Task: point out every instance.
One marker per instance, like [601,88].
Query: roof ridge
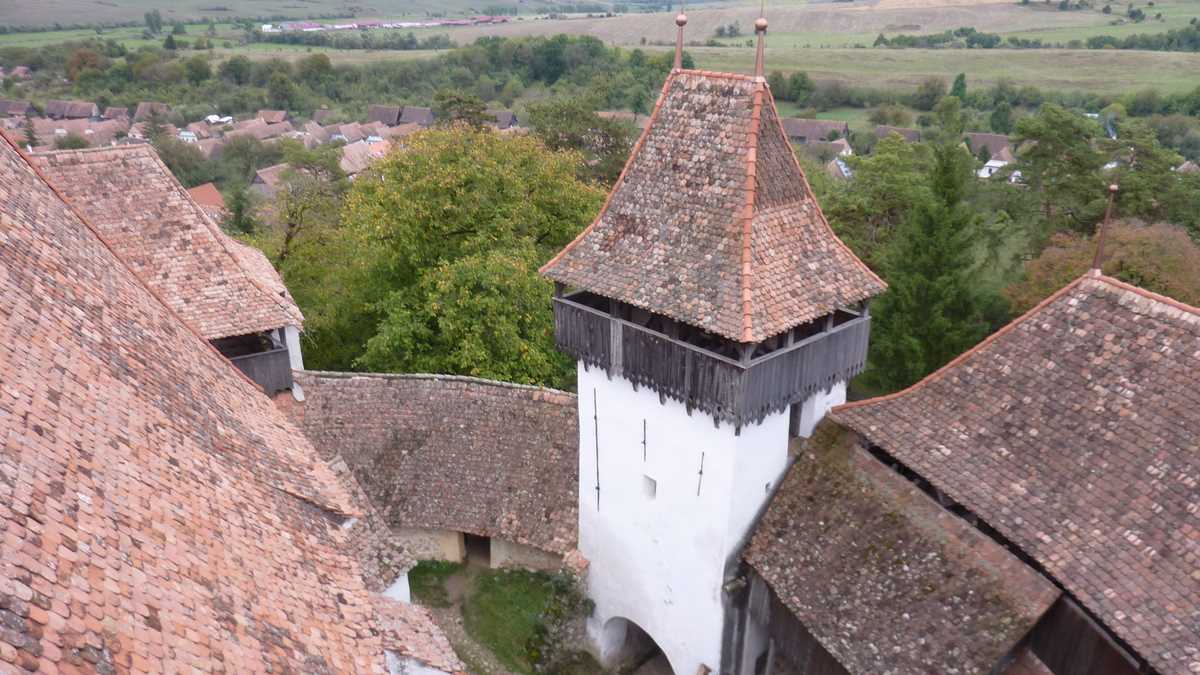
[1151,295]
[435,377]
[633,154]
[222,240]
[751,188]
[937,374]
[121,261]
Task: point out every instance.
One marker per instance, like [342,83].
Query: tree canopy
[433,266]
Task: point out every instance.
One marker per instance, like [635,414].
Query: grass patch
[427,581]
[503,612]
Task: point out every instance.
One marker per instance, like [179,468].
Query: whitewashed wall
[660,561]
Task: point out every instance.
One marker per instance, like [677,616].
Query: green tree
[184,160]
[310,195]
[1059,161]
[71,141]
[31,137]
[197,69]
[281,91]
[1001,118]
[865,212]
[959,88]
[154,21]
[800,87]
[929,92]
[453,107]
[155,126]
[572,124]
[1145,170]
[932,310]
[239,218]
[778,83]
[179,28]
[440,234]
[169,43]
[236,70]
[1159,258]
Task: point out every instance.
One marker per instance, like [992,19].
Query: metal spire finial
[1099,259]
[680,21]
[760,27]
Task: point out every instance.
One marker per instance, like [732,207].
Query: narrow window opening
[649,487]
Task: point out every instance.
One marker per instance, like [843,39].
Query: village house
[147,109]
[384,114]
[882,131]
[802,131]
[115,113]
[273,116]
[999,160]
[209,198]
[412,114]
[992,144]
[17,108]
[71,110]
[227,291]
[159,513]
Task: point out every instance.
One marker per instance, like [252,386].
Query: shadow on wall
[626,648]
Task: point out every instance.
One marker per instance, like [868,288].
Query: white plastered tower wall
[659,560]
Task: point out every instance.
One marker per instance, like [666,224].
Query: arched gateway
[625,647]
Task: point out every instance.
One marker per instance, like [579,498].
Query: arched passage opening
[626,648]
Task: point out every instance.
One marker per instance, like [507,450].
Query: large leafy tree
[933,309]
[434,266]
[1058,160]
[887,183]
[1159,258]
[572,124]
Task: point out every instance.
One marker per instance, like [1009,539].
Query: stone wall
[508,554]
[431,544]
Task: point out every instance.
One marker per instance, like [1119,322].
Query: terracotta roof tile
[150,220]
[713,223]
[158,514]
[863,557]
[458,453]
[1074,432]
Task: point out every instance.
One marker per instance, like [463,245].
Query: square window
[649,487]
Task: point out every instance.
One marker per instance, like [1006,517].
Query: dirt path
[479,659]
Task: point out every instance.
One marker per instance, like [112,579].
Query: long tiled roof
[863,557]
[158,513]
[1075,433]
[712,222]
[445,452]
[152,223]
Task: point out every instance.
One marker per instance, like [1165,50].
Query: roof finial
[1099,259]
[760,27]
[680,21]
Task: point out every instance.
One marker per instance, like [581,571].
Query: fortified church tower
[713,314]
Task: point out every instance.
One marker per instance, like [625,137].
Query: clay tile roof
[995,143]
[712,222]
[321,115]
[927,591]
[910,135]
[272,116]
[147,108]
[1075,433]
[209,198]
[458,453]
[416,114]
[150,220]
[387,114]
[159,513]
[808,130]
[409,630]
[115,113]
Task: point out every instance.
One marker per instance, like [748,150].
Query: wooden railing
[271,370]
[726,388]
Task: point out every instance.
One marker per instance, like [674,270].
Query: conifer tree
[31,138]
[932,310]
[959,88]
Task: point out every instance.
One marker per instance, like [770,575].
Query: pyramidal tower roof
[712,221]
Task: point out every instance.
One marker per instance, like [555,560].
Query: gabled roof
[115,113]
[862,557]
[418,115]
[164,236]
[459,453]
[15,107]
[147,108]
[272,116]
[995,143]
[158,511]
[71,109]
[1074,432]
[910,135]
[209,198]
[712,222]
[387,114]
[814,130]
[321,115]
